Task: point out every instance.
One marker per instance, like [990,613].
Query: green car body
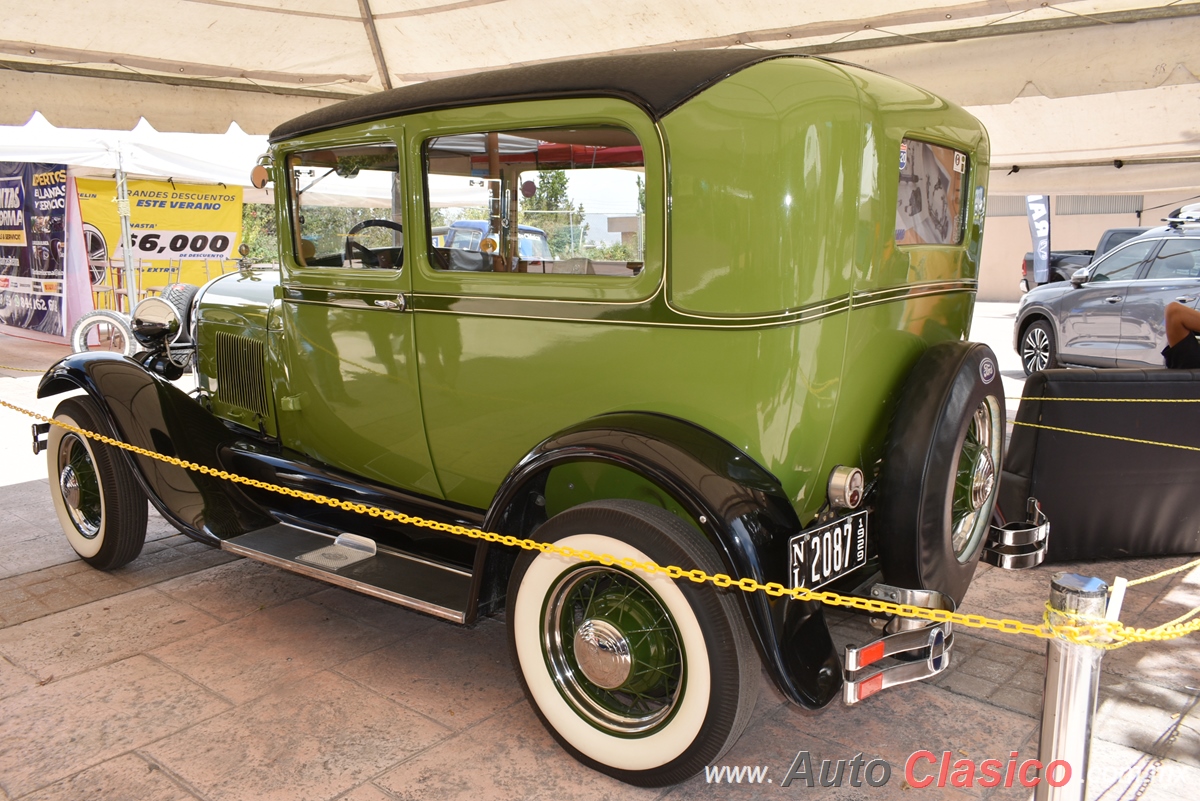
[766,332]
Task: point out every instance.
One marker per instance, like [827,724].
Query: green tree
[258,231]
[550,208]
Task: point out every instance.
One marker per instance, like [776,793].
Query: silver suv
[1110,314]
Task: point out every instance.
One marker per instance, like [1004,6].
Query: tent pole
[126,243]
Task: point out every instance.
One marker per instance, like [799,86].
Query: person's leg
[1181,321]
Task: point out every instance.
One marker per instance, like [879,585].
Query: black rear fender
[734,503]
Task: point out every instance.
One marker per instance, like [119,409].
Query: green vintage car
[746,355]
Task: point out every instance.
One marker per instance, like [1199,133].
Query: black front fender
[147,411]
[739,506]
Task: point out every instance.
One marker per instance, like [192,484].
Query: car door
[1173,274]
[352,400]
[1090,322]
[509,342]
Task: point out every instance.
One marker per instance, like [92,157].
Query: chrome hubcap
[603,654]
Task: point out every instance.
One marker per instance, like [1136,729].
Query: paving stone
[455,676]
[1118,772]
[13,680]
[367,792]
[327,736]
[984,667]
[100,632]
[121,779]
[235,589]
[962,683]
[1151,719]
[1023,701]
[245,658]
[506,756]
[69,725]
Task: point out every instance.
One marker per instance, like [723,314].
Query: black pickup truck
[1063,263]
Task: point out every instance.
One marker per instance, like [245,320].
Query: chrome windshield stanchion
[923,645]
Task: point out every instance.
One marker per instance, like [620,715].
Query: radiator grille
[241,372]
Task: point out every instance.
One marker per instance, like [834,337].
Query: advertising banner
[180,232]
[1037,208]
[32,245]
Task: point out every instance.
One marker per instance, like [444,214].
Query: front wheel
[1037,348]
[99,504]
[640,677]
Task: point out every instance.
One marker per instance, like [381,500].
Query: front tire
[941,470]
[1038,348]
[641,677]
[99,504]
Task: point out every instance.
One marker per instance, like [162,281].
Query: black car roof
[658,82]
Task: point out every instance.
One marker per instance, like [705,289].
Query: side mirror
[1079,277]
[259,177]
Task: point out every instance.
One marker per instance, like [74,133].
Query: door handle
[1113,299]
[399,304]
[1186,299]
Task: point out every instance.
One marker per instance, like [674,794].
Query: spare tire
[941,469]
[109,329]
[181,296]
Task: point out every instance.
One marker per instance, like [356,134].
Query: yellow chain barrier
[1097,633]
[22,369]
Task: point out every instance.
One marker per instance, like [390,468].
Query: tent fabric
[1059,86]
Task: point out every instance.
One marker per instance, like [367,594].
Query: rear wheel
[640,677]
[99,504]
[1038,350]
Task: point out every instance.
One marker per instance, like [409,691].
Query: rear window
[929,206]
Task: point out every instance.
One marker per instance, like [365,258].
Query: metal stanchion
[1072,683]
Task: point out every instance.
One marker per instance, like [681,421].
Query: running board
[924,645]
[356,563]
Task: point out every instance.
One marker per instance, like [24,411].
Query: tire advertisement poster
[178,232]
[32,245]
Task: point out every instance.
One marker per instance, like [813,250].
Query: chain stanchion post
[1072,686]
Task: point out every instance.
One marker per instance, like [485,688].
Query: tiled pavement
[193,675]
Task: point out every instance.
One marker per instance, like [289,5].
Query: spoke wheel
[975,481]
[614,649]
[80,486]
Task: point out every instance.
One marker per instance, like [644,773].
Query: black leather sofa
[1106,497]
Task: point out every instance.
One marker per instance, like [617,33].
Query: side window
[345,206]
[929,206]
[1177,259]
[1123,264]
[566,201]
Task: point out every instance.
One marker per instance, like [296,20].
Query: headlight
[156,323]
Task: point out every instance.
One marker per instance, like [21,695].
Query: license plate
[823,554]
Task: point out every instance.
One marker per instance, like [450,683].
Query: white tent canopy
[1066,89]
